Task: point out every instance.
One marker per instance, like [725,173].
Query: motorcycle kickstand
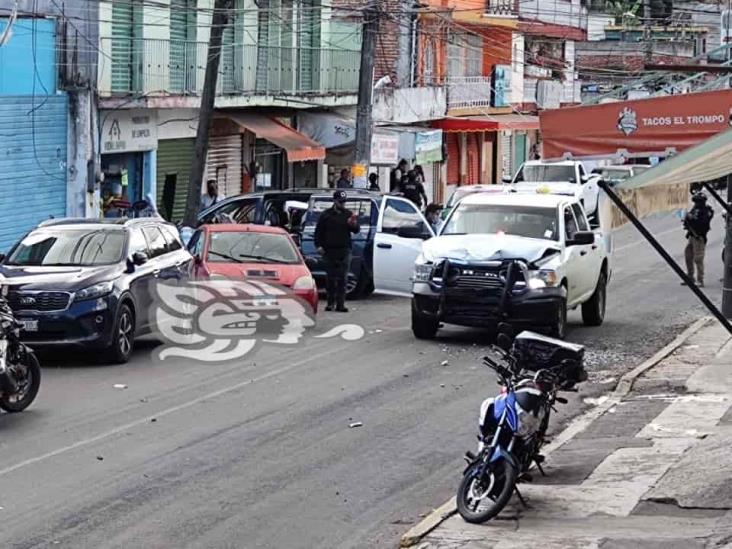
[521,498]
[541,469]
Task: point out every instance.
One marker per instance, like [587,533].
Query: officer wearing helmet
[333,241]
[697,224]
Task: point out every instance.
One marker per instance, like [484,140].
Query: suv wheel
[123,335]
[423,327]
[593,311]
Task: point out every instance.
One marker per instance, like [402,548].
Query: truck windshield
[503,219]
[547,173]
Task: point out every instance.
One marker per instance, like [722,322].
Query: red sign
[646,127]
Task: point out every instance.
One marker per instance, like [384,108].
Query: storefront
[128,159]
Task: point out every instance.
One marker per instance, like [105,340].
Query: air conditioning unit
[549,94]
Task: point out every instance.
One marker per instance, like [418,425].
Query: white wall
[177,123]
[518,44]
[104,71]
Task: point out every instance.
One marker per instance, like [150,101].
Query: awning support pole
[665,255]
[718,198]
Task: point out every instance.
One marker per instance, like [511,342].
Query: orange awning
[491,123]
[298,146]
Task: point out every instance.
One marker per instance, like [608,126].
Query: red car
[252,251]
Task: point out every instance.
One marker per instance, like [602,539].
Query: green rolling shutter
[309,35]
[174,160]
[182,36]
[122,46]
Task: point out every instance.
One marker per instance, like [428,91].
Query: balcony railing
[155,66]
[502,8]
[465,92]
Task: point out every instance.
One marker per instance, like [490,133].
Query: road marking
[162,413]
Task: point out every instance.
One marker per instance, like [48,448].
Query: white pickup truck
[567,177]
[522,258]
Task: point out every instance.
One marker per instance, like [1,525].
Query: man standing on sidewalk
[333,242]
[697,224]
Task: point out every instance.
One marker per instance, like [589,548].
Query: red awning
[298,146]
[658,126]
[491,123]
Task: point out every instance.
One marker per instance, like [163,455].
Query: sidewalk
[653,469]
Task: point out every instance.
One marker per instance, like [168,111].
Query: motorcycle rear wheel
[495,489]
[29,384]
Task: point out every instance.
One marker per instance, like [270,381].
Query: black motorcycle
[513,425]
[20,372]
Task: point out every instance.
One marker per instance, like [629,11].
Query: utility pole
[648,30]
[404,20]
[727,282]
[221,11]
[365,94]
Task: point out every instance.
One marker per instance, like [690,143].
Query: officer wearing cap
[333,242]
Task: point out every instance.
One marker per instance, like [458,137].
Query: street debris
[355,424]
[444,363]
[153,420]
[100,458]
[607,380]
[120,386]
[442,384]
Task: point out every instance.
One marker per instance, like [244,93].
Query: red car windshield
[251,247]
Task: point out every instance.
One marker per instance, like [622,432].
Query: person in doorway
[412,189]
[432,213]
[212,195]
[397,174]
[374,182]
[420,174]
[344,181]
[697,224]
[333,241]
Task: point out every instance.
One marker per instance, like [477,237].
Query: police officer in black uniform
[412,189]
[333,242]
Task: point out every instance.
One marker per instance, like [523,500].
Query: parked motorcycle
[20,372]
[532,370]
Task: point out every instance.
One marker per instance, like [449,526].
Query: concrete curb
[415,534]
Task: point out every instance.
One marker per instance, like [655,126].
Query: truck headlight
[544,278]
[422,272]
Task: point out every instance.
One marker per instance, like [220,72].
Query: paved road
[259,453]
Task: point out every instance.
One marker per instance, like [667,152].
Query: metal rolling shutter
[224,163]
[309,39]
[453,158]
[174,160]
[32,163]
[122,46]
[507,154]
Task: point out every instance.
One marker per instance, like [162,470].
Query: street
[261,452]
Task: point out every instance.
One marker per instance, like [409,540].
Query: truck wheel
[423,327]
[559,328]
[593,311]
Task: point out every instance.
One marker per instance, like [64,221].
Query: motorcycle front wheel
[481,499]
[28,378]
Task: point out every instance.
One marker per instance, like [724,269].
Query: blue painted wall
[28,58]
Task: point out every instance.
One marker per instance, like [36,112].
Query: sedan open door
[399,235]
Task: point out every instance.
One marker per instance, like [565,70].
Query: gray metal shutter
[227,68]
[309,36]
[122,46]
[263,46]
[223,163]
[507,154]
[174,160]
[32,163]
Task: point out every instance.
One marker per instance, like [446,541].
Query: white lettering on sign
[127,131]
[658,121]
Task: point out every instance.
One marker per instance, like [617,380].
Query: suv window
[171,237]
[399,213]
[361,207]
[570,224]
[137,242]
[155,240]
[195,244]
[241,211]
[579,215]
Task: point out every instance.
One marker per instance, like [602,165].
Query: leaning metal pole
[665,255]
[727,280]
